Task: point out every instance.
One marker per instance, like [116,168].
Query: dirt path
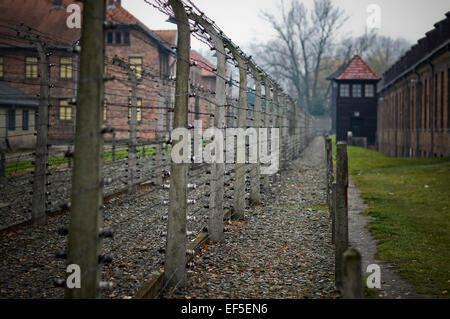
[392,286]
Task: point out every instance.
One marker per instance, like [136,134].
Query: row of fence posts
[85,235]
[347,273]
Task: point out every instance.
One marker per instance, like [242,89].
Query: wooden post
[175,264]
[341,209]
[352,281]
[85,217]
[38,213]
[333,212]
[329,168]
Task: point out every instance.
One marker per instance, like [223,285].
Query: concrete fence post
[333,212]
[352,279]
[240,168]
[255,189]
[160,134]
[215,218]
[113,148]
[267,125]
[175,264]
[2,167]
[87,186]
[38,212]
[341,210]
[276,124]
[132,143]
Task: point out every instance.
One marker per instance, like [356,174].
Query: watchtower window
[356,90]
[344,90]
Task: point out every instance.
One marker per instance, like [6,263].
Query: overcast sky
[409,19]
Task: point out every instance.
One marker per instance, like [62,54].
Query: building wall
[413,115]
[116,92]
[19,138]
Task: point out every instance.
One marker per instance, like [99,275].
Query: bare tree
[379,51]
[304,38]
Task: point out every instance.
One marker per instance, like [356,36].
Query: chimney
[113,3]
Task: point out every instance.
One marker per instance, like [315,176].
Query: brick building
[147,53]
[413,113]
[356,100]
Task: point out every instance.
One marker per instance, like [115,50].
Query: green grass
[20,167]
[410,201]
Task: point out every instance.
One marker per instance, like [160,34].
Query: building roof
[14,97]
[43,16]
[357,69]
[119,15]
[170,36]
[51,21]
[206,66]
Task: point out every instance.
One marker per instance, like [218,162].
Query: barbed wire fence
[111,166]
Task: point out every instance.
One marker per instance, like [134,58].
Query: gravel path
[281,250]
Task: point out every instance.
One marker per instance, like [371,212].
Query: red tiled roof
[39,15]
[357,69]
[170,36]
[205,65]
[120,15]
[51,22]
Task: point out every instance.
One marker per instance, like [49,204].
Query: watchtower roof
[357,69]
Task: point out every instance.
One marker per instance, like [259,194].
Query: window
[136,65]
[118,37]
[344,90]
[65,110]
[356,90]
[65,68]
[25,120]
[163,64]
[369,90]
[126,37]
[11,120]
[1,67]
[105,67]
[31,67]
[138,110]
[109,37]
[105,107]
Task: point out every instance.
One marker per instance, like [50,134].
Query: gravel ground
[281,250]
[28,267]
[16,197]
